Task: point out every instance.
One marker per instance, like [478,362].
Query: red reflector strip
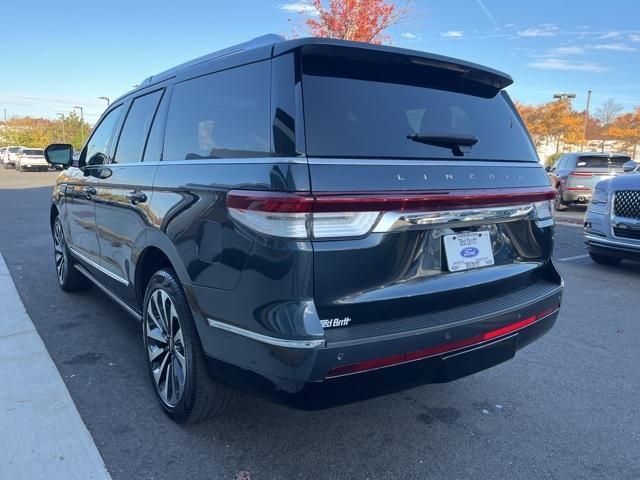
[438,349]
[582,189]
[582,174]
[384,201]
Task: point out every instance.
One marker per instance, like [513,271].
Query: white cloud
[509,25]
[618,47]
[634,37]
[609,35]
[558,64]
[554,52]
[453,34]
[409,35]
[299,7]
[547,30]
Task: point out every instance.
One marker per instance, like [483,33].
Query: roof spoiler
[489,78]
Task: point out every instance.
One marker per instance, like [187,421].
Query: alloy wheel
[59,251]
[165,347]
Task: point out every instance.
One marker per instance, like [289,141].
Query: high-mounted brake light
[331,215]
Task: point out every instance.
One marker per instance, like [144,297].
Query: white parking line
[568,259]
[42,435]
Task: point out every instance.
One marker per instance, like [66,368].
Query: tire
[604,259]
[6,166]
[69,279]
[191,396]
[558,204]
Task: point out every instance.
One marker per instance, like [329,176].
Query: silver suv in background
[575,174]
[612,221]
[31,159]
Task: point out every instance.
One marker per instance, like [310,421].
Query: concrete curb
[42,435]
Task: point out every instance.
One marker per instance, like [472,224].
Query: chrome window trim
[402,221]
[109,293]
[98,267]
[214,161]
[280,342]
[424,163]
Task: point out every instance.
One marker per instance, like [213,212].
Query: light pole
[586,116]
[81,125]
[105,98]
[61,115]
[564,96]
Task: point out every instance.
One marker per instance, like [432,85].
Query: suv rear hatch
[590,169]
[426,185]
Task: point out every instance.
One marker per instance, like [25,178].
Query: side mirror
[59,154]
[548,168]
[629,166]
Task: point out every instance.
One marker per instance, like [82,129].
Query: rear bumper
[577,196]
[625,250]
[448,345]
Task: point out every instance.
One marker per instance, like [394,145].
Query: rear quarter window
[220,115]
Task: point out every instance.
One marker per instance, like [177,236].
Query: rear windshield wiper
[454,142]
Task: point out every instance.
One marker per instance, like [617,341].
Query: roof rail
[253,43]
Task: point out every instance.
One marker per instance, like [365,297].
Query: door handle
[89,191]
[136,197]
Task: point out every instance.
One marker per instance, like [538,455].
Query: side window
[153,150]
[221,115]
[136,127]
[97,151]
[558,163]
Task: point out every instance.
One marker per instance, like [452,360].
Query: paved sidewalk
[41,433]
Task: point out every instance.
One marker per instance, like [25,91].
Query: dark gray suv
[315,221]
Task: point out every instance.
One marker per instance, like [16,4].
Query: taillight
[331,215]
[581,174]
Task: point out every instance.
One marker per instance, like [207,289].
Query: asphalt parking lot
[565,407]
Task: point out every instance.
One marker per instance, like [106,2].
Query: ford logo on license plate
[469,252]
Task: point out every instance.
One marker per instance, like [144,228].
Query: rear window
[32,152]
[602,162]
[14,149]
[368,109]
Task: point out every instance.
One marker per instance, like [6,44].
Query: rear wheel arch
[150,260]
[52,215]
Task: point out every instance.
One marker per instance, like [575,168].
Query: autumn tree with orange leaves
[626,129]
[357,20]
[557,122]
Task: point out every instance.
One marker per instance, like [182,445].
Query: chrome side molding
[401,221]
[109,293]
[280,342]
[80,256]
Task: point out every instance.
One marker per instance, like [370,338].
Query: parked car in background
[631,166]
[313,251]
[575,174]
[31,159]
[11,156]
[3,151]
[612,221]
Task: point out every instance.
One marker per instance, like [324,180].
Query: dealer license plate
[467,250]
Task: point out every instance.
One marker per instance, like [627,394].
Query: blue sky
[57,54]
